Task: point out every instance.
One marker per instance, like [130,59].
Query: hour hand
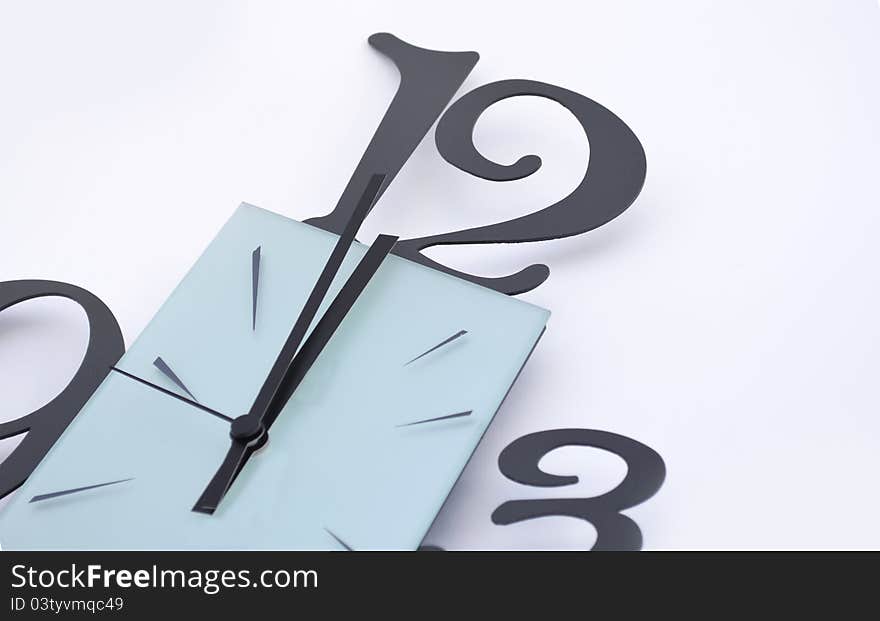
[235,459]
[248,432]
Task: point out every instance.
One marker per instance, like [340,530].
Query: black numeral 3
[615,531]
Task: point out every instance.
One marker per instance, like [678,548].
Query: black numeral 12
[428,80]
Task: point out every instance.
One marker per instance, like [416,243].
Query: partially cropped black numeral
[615,531]
[44,426]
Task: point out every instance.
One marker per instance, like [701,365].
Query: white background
[728,319]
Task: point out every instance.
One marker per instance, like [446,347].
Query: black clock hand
[249,432]
[235,459]
[327,325]
[240,452]
[170,393]
[310,309]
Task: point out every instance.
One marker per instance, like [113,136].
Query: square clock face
[362,456]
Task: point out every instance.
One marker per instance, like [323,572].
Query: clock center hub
[246,429]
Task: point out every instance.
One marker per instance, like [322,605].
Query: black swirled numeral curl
[613,179]
[428,80]
[45,425]
[615,531]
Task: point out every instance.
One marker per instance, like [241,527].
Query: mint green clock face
[362,456]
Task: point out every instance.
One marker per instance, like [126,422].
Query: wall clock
[302,390]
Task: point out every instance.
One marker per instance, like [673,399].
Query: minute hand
[281,367]
[249,432]
[329,322]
